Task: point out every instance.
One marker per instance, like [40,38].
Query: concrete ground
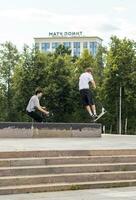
[105,142]
[128,193]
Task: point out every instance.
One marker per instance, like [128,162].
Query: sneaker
[95,116]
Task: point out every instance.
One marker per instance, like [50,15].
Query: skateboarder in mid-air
[86,95]
[34,106]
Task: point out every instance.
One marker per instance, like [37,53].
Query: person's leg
[93,108]
[85,100]
[92,104]
[36,116]
[88,108]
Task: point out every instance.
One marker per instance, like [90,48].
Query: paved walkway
[105,142]
[128,193]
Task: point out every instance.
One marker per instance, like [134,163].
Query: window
[93,47]
[67,44]
[55,45]
[77,45]
[76,50]
[45,46]
[85,45]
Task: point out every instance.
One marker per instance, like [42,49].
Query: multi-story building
[73,40]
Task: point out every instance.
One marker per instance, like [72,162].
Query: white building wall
[67,39]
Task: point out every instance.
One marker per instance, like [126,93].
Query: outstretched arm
[40,108]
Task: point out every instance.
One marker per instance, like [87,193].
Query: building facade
[76,42]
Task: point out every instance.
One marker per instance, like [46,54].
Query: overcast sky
[22,20]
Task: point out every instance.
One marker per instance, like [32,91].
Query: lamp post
[120,109]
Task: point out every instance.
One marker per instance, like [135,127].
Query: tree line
[58,74]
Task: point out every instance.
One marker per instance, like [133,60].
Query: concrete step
[66,178]
[74,168]
[60,153]
[11,162]
[65,186]
[41,171]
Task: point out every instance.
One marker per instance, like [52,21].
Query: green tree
[9,59]
[62,50]
[100,59]
[119,70]
[85,61]
[28,76]
[51,72]
[57,86]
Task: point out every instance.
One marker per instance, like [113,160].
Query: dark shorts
[36,116]
[86,97]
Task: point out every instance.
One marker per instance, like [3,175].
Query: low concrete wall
[38,130]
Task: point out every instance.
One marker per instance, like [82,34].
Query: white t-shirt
[84,80]
[33,103]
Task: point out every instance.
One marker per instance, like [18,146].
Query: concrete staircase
[42,171]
